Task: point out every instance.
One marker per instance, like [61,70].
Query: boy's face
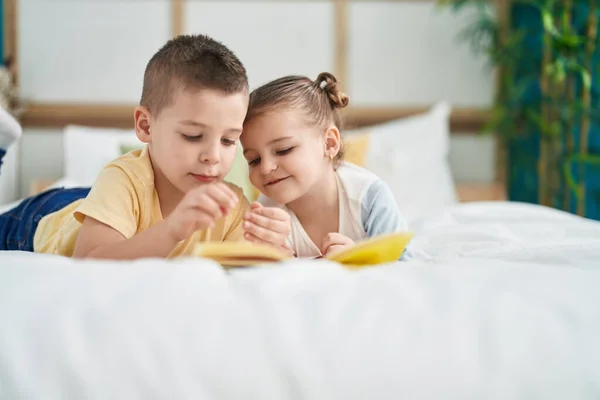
[194,140]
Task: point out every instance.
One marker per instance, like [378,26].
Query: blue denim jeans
[17,226]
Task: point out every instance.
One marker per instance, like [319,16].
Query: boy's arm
[199,209]
[109,217]
[111,212]
[98,240]
[380,214]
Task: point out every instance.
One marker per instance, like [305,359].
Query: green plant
[544,53]
[9,95]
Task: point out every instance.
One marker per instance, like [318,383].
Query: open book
[372,251]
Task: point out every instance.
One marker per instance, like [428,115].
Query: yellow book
[372,251]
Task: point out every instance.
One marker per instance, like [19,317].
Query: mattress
[490,309]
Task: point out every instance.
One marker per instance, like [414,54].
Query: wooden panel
[271,38]
[468,192]
[409,54]
[121,116]
[203,14]
[60,115]
[340,23]
[177,27]
[92,51]
[39,185]
[462,121]
[503,15]
[10,36]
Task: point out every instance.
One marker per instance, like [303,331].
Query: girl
[292,142]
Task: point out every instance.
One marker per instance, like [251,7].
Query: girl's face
[286,156]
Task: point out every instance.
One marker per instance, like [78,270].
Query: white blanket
[510,232]
[494,312]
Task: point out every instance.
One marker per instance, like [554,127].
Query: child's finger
[333,249]
[230,192]
[256,240]
[274,213]
[222,196]
[268,223]
[209,205]
[251,238]
[264,234]
[203,220]
[233,197]
[332,239]
[254,206]
[326,242]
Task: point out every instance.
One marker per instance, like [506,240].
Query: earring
[331,156]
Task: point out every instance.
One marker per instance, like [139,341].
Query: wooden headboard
[463,120]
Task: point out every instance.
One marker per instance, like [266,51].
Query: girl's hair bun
[328,83]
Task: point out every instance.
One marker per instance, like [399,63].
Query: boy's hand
[268,225]
[199,209]
[333,242]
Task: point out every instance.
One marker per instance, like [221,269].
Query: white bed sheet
[510,232]
[495,312]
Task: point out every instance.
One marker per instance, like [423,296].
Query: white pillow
[411,156]
[89,149]
[9,175]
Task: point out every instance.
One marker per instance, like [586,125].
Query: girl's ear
[332,142]
[142,119]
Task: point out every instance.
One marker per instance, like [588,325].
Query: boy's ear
[332,141]
[141,116]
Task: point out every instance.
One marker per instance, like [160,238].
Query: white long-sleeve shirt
[367,208]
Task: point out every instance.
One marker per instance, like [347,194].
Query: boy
[164,199]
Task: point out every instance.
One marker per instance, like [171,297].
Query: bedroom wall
[400,54]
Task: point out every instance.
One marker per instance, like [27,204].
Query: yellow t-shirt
[124,198]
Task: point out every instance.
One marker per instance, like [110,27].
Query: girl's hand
[268,225]
[333,242]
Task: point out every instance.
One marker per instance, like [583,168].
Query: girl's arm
[380,214]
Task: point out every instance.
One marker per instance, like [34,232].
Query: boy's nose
[210,155]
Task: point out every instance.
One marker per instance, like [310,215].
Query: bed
[493,310]
[501,302]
